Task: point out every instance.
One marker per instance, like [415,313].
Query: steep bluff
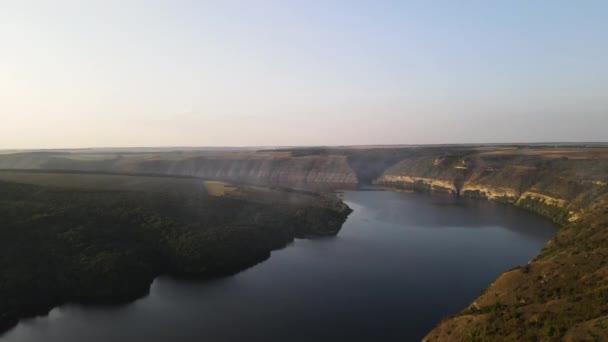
[555,187]
[281,170]
[256,168]
[563,293]
[289,167]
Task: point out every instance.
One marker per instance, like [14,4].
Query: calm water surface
[400,264]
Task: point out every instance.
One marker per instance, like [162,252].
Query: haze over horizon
[270,73]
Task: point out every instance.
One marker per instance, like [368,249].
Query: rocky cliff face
[256,168]
[300,170]
[563,293]
[555,187]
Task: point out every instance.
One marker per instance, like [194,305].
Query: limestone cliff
[563,293]
[553,187]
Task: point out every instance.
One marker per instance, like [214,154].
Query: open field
[76,181]
[559,152]
[85,181]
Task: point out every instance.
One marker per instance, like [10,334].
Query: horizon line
[541,143]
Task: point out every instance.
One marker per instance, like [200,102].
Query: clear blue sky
[151,73]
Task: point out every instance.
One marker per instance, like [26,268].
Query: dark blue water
[400,264]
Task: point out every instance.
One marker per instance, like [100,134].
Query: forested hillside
[83,243]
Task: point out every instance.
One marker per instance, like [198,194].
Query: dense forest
[102,246]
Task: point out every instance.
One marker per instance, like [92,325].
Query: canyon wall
[558,188]
[562,294]
[254,168]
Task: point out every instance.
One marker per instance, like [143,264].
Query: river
[401,263]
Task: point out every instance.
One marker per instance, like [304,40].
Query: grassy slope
[560,295]
[86,181]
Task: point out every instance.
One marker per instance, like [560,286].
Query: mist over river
[400,264]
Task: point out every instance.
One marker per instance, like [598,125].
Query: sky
[284,73]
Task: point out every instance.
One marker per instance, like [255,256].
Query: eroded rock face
[315,169]
[561,294]
[256,168]
[416,182]
[492,193]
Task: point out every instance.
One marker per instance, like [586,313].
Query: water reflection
[445,211]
